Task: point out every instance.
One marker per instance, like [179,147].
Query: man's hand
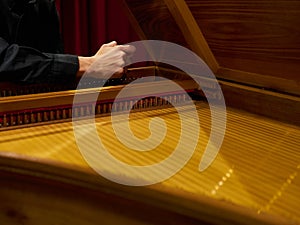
[109,60]
[105,48]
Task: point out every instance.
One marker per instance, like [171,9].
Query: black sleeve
[25,64]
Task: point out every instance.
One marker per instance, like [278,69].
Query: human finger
[111,44]
[106,48]
[129,49]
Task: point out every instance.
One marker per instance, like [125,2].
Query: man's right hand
[109,60]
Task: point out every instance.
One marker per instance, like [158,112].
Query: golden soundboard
[251,48]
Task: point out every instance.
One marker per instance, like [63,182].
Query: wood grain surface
[260,37]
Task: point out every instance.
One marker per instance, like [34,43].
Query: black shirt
[30,44]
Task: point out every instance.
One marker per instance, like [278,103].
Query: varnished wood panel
[274,105]
[261,37]
[155,21]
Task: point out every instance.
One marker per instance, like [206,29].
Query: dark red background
[87,24]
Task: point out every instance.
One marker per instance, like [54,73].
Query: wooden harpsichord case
[252,48]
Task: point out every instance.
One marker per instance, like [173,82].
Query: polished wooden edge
[40,100]
[198,207]
[191,31]
[275,84]
[85,96]
[277,106]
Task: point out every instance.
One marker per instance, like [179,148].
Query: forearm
[23,64]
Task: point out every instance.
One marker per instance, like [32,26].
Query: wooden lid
[256,43]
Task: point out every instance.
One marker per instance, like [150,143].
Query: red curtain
[87,24]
